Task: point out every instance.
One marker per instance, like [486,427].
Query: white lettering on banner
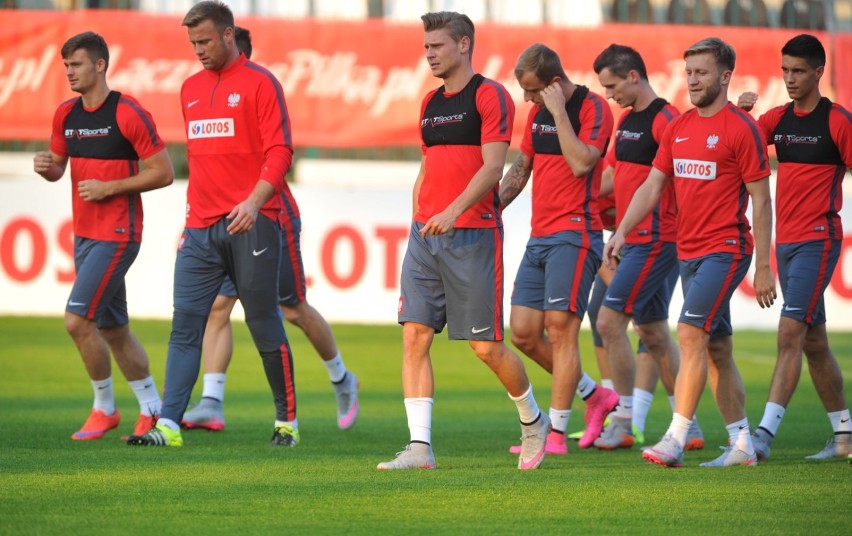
[211,128]
[23,73]
[694,169]
[352,254]
[338,76]
[146,75]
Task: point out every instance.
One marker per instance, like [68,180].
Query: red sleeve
[666,115]
[750,148]
[595,122]
[274,123]
[526,141]
[57,134]
[137,125]
[663,160]
[497,110]
[769,120]
[840,126]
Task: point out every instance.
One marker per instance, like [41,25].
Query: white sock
[527,408]
[214,386]
[104,399]
[606,382]
[586,386]
[679,428]
[146,393]
[671,401]
[641,405]
[559,419]
[336,368]
[168,423]
[419,413]
[294,423]
[624,410]
[840,421]
[740,436]
[772,416]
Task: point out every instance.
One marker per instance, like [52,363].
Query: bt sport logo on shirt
[83,133]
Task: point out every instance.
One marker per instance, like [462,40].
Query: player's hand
[764,287]
[439,224]
[42,162]
[612,250]
[554,98]
[242,218]
[747,100]
[93,190]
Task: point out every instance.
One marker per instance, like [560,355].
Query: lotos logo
[695,169]
[211,128]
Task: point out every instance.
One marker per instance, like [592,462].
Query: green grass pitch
[233,482]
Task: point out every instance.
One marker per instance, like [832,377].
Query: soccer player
[218,344]
[566,134]
[105,134]
[644,279]
[647,372]
[452,273]
[239,149]
[813,141]
[716,157]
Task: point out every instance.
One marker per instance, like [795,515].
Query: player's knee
[297,314]
[78,326]
[489,352]
[524,340]
[653,336]
[720,350]
[115,335]
[691,339]
[608,325]
[187,328]
[268,334]
[790,337]
[816,346]
[220,312]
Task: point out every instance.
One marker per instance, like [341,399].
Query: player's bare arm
[581,158]
[493,156]
[515,179]
[764,279]
[644,200]
[244,215]
[49,165]
[157,172]
[415,194]
[607,182]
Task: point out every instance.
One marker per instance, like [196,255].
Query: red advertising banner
[357,84]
